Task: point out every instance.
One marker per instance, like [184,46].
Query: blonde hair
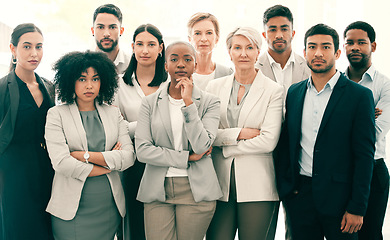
[250,33]
[197,17]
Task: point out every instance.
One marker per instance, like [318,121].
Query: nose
[279,34]
[33,52]
[88,84]
[106,33]
[318,52]
[180,64]
[145,49]
[203,37]
[243,52]
[355,47]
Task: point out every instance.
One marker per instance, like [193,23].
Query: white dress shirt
[314,107]
[379,84]
[283,75]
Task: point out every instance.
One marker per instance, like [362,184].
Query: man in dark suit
[325,155]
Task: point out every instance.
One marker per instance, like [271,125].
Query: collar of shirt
[331,83]
[368,75]
[290,60]
[120,57]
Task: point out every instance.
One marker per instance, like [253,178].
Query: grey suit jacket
[155,147]
[64,134]
[300,69]
[9,103]
[222,71]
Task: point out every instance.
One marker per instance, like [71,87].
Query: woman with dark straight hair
[25,170]
[144,76]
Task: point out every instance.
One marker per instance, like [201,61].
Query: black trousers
[377,203]
[309,224]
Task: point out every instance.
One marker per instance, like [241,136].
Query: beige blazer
[65,133]
[155,146]
[253,161]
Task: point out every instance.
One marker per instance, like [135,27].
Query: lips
[181,73]
[33,61]
[89,94]
[106,41]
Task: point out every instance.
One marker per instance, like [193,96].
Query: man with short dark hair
[107,28]
[359,45]
[280,63]
[325,155]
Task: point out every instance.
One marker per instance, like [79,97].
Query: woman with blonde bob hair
[249,128]
[203,34]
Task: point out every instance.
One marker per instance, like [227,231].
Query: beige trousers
[179,217]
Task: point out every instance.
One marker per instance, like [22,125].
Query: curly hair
[70,67]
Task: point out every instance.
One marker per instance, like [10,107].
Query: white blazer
[253,161]
[65,133]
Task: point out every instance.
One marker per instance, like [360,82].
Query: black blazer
[9,102]
[343,153]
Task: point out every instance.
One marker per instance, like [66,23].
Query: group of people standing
[150,146]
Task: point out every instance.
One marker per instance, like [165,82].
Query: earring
[14,60]
[160,54]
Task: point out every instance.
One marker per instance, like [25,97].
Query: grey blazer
[65,133]
[155,147]
[300,69]
[9,103]
[222,71]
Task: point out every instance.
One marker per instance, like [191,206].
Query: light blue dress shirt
[314,107]
[379,84]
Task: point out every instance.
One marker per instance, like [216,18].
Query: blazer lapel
[297,71]
[225,91]
[338,91]
[265,67]
[74,111]
[254,95]
[14,94]
[163,109]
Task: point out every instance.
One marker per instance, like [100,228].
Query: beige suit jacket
[65,133]
[253,161]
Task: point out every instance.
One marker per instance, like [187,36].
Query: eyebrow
[31,43]
[324,43]
[275,26]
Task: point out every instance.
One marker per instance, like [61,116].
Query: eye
[112,27]
[188,60]
[272,30]
[96,79]
[139,44]
[81,79]
[310,47]
[284,29]
[152,44]
[210,33]
[39,47]
[326,47]
[173,60]
[26,47]
[100,27]
[250,48]
[197,33]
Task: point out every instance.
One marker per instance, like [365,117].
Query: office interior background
[66,26]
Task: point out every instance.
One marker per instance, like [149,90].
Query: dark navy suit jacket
[343,152]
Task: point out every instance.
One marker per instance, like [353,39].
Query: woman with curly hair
[25,171]
[144,76]
[88,143]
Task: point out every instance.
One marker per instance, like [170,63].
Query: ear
[189,38]
[373,47]
[337,54]
[216,40]
[166,67]
[93,31]
[304,53]
[264,35]
[293,34]
[13,50]
[132,46]
[122,29]
[161,47]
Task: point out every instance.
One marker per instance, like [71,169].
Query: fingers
[118,146]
